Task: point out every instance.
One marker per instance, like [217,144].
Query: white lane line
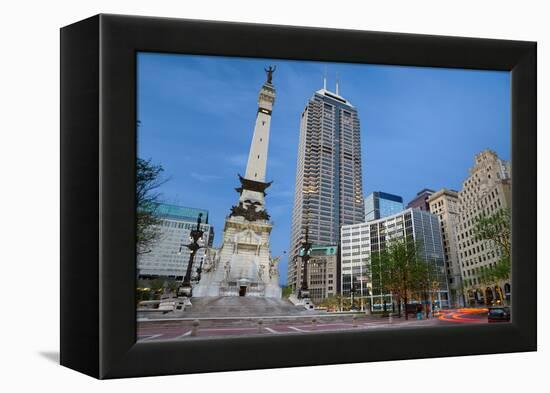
[150,337]
[183,335]
[272,330]
[298,329]
[227,329]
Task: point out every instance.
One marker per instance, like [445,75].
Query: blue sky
[420,126]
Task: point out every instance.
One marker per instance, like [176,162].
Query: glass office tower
[361,241]
[380,204]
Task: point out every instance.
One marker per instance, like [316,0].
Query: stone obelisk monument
[243,265]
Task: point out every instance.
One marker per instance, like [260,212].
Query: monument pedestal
[303,302]
[243,265]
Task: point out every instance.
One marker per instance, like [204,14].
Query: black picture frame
[98,154]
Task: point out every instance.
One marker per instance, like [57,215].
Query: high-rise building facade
[329,189]
[361,241]
[322,272]
[380,204]
[420,201]
[169,255]
[444,204]
[486,190]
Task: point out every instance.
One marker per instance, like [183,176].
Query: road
[464,315]
[152,330]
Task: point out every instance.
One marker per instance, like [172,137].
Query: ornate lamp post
[306,247]
[194,246]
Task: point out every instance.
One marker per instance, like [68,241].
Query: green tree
[287,291]
[332,302]
[148,180]
[397,268]
[495,229]
[426,281]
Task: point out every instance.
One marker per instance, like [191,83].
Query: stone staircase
[241,306]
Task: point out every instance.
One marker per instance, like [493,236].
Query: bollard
[314,323]
[195,327]
[260,326]
[390,318]
[354,320]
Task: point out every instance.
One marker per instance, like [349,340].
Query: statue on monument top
[269,73]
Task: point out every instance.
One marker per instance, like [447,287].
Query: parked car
[498,313]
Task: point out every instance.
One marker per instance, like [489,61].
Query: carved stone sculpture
[274,267]
[248,210]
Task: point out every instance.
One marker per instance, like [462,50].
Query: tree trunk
[426,305]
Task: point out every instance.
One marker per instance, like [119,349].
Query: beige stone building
[322,273]
[486,190]
[444,204]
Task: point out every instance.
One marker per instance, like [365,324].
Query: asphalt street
[182,329]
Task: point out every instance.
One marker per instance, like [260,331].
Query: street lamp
[306,247]
[194,246]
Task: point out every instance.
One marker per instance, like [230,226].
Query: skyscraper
[329,189]
[380,204]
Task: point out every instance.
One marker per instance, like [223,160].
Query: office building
[168,256]
[420,201]
[380,204]
[329,189]
[444,204]
[361,241]
[485,191]
[322,272]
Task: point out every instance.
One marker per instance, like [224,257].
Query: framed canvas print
[239,196]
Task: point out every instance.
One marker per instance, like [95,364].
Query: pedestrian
[418,312]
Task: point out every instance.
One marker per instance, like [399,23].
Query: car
[498,313]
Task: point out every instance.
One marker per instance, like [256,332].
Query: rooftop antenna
[325,79]
[337,85]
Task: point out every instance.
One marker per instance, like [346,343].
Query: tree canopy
[496,230]
[148,180]
[399,269]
